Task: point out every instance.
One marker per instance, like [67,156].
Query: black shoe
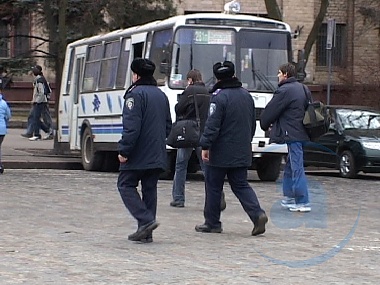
[259,223]
[26,135]
[144,231]
[148,239]
[177,204]
[223,204]
[1,169]
[207,229]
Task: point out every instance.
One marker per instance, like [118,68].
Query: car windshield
[359,119]
[256,54]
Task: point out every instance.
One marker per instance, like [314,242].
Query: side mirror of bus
[164,68]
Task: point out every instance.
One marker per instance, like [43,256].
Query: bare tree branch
[273,10]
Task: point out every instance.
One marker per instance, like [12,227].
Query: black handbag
[186,133]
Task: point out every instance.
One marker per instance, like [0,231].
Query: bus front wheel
[91,159]
[268,167]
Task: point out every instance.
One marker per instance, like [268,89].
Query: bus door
[77,79]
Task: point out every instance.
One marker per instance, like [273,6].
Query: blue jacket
[230,126]
[5,115]
[146,125]
[284,114]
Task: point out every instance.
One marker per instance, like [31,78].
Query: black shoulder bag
[186,133]
[316,120]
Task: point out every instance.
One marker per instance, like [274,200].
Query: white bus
[96,75]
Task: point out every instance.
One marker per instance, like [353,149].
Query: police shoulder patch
[129,103]
[212,108]
[216,92]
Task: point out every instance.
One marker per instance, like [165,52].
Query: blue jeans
[46,118]
[237,178]
[37,124]
[182,160]
[294,183]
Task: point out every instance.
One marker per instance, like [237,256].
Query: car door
[322,152]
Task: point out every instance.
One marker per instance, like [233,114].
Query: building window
[4,40]
[338,52]
[21,45]
[14,41]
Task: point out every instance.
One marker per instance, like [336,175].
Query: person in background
[227,150]
[41,96]
[5,115]
[283,116]
[185,109]
[5,78]
[142,148]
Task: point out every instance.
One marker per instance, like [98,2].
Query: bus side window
[123,63]
[92,68]
[158,52]
[108,67]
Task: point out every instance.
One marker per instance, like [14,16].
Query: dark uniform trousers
[237,178]
[143,208]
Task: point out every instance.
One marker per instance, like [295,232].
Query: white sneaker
[34,138]
[300,208]
[49,137]
[287,202]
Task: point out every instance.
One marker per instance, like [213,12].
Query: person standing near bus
[5,115]
[227,150]
[185,109]
[142,148]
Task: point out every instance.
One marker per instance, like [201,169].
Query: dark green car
[352,143]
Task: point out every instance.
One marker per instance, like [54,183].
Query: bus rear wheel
[91,159]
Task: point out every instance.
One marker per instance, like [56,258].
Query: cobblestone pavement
[70,227]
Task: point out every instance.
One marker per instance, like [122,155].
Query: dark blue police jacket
[146,125]
[230,126]
[285,113]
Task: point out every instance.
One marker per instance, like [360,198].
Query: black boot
[259,223]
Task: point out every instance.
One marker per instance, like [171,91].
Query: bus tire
[268,167]
[91,159]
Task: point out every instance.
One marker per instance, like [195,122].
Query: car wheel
[347,166]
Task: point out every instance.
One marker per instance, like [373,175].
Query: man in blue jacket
[283,115]
[227,150]
[142,148]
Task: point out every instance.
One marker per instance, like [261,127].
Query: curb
[72,165]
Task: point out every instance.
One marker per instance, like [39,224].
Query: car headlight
[372,145]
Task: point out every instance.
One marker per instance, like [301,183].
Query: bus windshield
[257,55]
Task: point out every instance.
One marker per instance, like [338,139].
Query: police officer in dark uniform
[142,148]
[227,150]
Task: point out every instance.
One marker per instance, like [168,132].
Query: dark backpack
[316,119]
[47,89]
